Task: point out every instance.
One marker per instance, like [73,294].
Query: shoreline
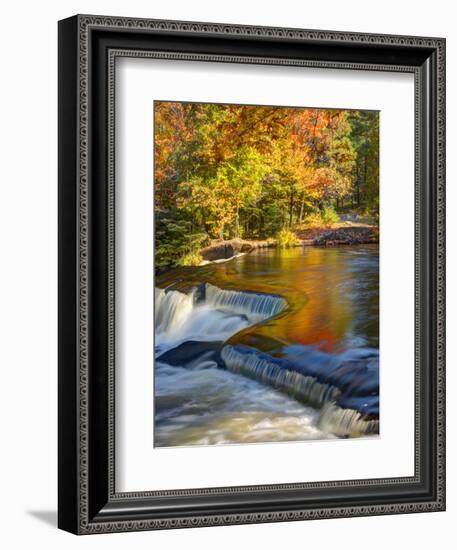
[337,235]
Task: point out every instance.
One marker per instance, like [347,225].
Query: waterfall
[346,422]
[172,310]
[349,403]
[255,306]
[344,387]
[271,371]
[208,314]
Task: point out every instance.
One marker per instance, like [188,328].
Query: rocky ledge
[340,234]
[348,235]
[328,236]
[223,250]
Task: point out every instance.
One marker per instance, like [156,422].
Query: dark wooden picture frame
[88,502]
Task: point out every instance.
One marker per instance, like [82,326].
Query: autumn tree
[365,174]
[238,170]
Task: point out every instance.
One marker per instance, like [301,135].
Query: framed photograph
[251,274]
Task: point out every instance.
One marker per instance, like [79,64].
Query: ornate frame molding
[77,515]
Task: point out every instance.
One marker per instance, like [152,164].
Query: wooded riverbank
[345,233]
[229,179]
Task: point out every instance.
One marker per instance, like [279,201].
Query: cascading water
[277,380]
[271,371]
[180,319]
[215,316]
[214,398]
[257,307]
[211,406]
[172,310]
[348,379]
[346,422]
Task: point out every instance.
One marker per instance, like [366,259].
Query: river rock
[193,354]
[348,235]
[223,250]
[200,293]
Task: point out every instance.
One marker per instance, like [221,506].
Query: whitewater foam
[309,390]
[268,370]
[216,316]
[256,306]
[346,422]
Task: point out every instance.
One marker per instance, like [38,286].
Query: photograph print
[266,249]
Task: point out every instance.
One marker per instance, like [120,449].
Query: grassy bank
[341,233]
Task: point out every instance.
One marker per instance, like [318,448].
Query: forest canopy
[240,171]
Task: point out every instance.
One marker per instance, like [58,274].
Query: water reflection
[332,306]
[332,293]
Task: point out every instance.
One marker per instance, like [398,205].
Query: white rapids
[207,405]
[203,404]
[180,317]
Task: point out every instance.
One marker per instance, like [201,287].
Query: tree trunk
[237,223]
[176,147]
[357,189]
[291,209]
[302,210]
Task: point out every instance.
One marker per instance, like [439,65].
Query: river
[276,345]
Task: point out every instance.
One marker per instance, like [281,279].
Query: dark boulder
[348,235]
[193,354]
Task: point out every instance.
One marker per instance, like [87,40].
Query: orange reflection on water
[332,292]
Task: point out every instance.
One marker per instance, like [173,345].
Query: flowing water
[277,345]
